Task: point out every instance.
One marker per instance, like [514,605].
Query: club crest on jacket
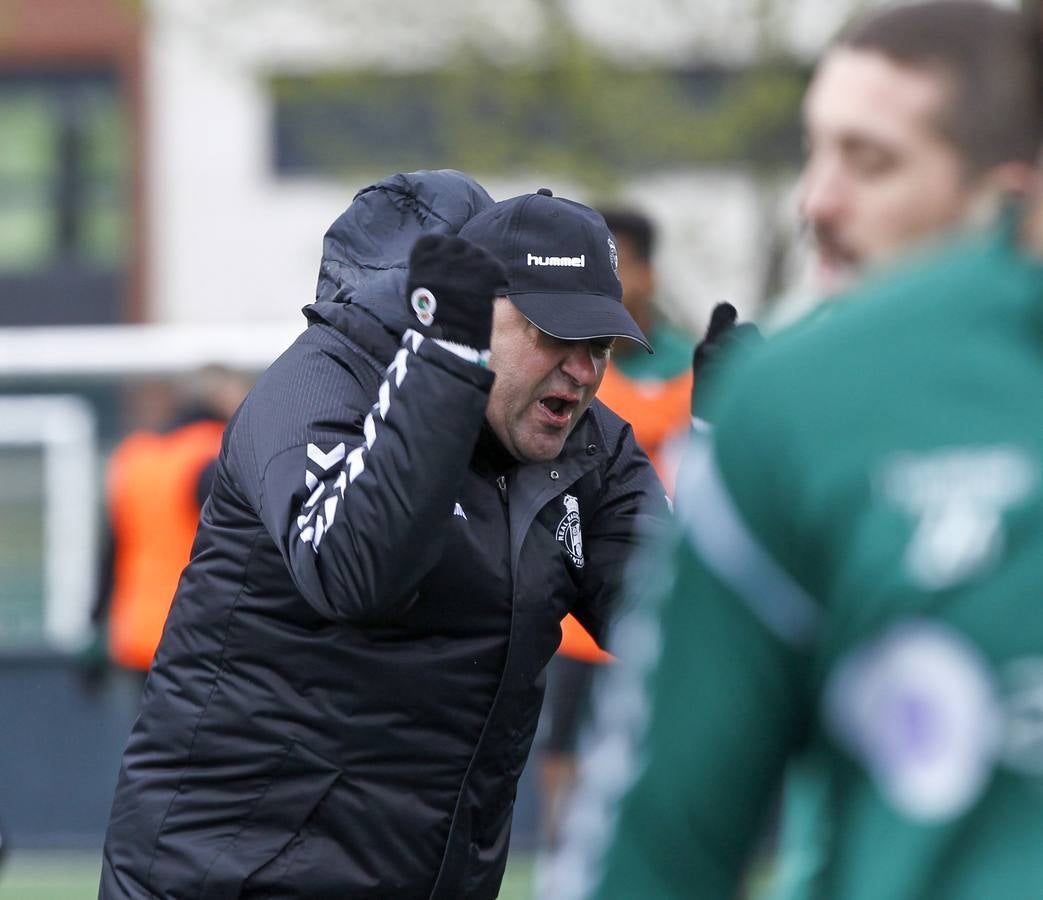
[569,533]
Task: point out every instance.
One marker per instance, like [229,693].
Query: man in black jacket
[350,677]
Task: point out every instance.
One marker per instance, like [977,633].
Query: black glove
[722,341]
[450,289]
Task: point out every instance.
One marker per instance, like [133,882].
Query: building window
[580,117]
[65,175]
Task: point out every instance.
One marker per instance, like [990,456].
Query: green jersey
[851,603]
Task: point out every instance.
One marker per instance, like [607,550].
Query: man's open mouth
[557,408]
[834,254]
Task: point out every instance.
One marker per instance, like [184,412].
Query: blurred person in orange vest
[158,481]
[653,393]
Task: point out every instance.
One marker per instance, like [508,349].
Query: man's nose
[821,192]
[579,364]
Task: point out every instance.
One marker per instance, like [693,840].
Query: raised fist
[451,287]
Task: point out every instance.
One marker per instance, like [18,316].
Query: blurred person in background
[850,594]
[652,392]
[157,482]
[405,507]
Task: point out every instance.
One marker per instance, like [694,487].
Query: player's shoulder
[893,319]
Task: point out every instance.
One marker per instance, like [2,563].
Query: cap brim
[579,317]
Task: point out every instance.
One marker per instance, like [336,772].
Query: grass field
[49,876]
[63,876]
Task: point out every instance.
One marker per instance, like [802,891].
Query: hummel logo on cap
[533,260]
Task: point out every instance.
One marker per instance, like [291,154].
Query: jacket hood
[365,253]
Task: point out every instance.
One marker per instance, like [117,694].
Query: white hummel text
[580,262]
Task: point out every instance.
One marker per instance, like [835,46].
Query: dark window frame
[72,285]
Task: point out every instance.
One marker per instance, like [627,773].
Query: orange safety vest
[152,499]
[576,643]
[658,411]
[660,414]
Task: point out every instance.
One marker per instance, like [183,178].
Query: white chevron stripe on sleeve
[353,464]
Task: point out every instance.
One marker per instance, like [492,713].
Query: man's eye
[869,161]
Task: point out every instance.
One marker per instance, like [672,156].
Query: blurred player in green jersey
[850,600]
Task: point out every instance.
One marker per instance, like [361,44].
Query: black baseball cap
[562,266]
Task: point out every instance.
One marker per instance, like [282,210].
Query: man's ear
[650,280]
[1013,178]
[1009,179]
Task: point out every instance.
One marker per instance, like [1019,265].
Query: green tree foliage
[571,113]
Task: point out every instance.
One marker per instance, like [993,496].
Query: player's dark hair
[990,58]
[632,226]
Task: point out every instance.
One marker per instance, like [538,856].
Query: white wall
[228,241]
